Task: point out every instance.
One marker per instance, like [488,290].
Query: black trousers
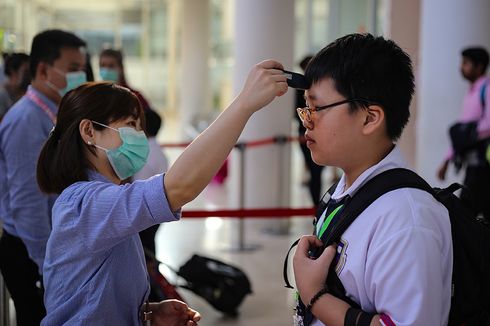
[477,197]
[148,238]
[21,274]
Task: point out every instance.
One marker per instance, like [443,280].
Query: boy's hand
[311,274]
[264,82]
[173,313]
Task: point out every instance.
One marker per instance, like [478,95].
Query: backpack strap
[376,187]
[319,211]
[483,92]
[373,189]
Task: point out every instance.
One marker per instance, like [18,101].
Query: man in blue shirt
[57,64]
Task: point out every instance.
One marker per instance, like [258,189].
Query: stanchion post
[241,219]
[282,226]
[241,203]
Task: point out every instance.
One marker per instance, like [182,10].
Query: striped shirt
[95,271]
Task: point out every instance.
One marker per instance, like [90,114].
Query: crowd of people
[82,188]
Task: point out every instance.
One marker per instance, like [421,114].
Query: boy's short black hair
[477,55]
[46,46]
[14,61]
[373,68]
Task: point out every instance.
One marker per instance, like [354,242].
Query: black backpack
[470,302]
[222,285]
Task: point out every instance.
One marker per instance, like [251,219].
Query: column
[403,26]
[264,29]
[194,93]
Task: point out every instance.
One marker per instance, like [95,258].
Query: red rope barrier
[251,213]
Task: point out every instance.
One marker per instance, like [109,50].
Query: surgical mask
[131,156]
[73,80]
[109,74]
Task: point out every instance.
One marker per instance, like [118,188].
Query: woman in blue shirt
[94,270]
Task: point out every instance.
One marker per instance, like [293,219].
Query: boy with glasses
[395,259]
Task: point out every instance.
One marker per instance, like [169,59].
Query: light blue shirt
[25,211]
[95,271]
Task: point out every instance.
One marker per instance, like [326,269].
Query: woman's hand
[311,274]
[173,313]
[265,81]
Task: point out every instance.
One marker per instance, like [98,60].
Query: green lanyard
[327,221]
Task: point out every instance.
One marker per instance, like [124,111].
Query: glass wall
[319,22]
[148,33]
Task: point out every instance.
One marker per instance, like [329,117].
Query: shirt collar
[96,176]
[51,105]
[394,159]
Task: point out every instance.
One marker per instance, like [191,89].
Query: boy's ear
[86,131]
[374,119]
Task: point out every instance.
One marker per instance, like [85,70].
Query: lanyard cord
[41,104]
[327,221]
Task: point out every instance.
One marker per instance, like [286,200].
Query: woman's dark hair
[14,61]
[153,123]
[373,68]
[63,160]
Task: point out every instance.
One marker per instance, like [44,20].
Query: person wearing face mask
[57,61]
[94,253]
[16,68]
[111,68]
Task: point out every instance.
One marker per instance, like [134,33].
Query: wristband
[365,319]
[357,317]
[351,316]
[315,298]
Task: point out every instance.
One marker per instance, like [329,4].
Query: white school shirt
[396,258]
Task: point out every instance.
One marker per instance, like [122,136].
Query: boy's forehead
[319,88]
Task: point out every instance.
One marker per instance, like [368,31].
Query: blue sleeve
[30,208]
[108,214]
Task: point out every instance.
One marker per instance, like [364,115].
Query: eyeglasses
[306,112]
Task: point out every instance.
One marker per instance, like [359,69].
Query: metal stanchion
[282,226]
[241,220]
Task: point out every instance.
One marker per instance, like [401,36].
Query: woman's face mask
[131,156]
[109,74]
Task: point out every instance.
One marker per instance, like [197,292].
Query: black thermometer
[296,80]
